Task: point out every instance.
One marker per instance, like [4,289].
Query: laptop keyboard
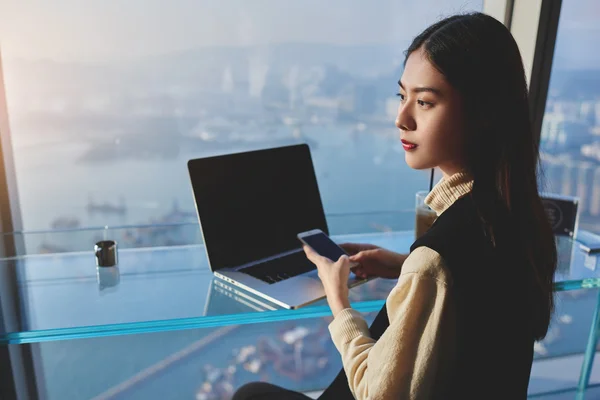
[281,268]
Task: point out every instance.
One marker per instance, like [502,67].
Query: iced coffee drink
[425,216]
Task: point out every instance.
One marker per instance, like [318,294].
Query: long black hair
[479,57]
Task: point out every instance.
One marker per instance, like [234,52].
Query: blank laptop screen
[251,205]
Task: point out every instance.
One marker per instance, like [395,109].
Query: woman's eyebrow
[422,89]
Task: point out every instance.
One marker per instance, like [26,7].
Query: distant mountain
[202,67]
[358,60]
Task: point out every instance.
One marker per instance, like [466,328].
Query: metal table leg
[590,352]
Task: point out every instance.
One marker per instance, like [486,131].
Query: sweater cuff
[346,326]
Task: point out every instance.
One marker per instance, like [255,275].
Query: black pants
[337,390]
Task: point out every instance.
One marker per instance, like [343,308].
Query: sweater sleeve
[404,361]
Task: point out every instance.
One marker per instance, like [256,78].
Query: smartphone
[588,241]
[323,245]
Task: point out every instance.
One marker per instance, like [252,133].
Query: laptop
[223,298]
[251,206]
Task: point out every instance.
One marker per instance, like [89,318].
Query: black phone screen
[323,245]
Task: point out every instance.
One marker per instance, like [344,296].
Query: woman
[476,290]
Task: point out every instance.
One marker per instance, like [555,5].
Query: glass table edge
[45,335]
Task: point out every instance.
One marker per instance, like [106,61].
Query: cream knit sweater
[414,356]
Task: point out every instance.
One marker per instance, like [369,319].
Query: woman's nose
[404,120]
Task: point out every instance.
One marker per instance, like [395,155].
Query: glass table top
[65,296]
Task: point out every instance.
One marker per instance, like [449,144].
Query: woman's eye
[401,96]
[423,103]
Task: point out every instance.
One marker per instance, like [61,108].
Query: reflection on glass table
[65,296]
[169,290]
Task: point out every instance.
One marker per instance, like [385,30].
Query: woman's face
[430,117]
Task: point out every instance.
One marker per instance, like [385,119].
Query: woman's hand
[334,276]
[374,261]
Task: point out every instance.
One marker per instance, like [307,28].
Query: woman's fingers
[353,248]
[312,255]
[359,270]
[359,273]
[365,255]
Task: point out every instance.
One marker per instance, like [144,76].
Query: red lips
[408,145]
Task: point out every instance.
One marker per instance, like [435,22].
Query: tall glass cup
[425,216]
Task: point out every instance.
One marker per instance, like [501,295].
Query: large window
[570,137]
[107,101]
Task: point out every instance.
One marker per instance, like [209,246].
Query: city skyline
[257,78]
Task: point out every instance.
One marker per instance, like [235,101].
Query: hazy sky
[109,29]
[578,35]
